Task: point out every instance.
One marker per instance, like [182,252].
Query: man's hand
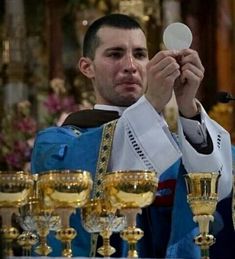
[186,86]
[162,71]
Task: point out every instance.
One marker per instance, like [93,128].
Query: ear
[85,65]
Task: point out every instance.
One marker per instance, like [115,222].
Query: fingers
[189,56]
[189,67]
[169,61]
[178,70]
[164,64]
[162,71]
[163,55]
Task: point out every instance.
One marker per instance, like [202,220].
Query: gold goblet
[41,218]
[203,197]
[130,191]
[98,216]
[36,221]
[45,220]
[15,188]
[28,237]
[65,191]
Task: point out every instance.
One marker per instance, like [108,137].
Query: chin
[128,101]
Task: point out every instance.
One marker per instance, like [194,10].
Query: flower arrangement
[18,129]
[58,103]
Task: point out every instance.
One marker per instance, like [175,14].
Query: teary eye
[140,54]
[115,54]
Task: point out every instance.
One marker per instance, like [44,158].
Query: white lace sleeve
[220,160]
[143,141]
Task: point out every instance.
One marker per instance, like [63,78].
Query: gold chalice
[203,197]
[28,237]
[65,191]
[45,220]
[36,221]
[15,188]
[98,216]
[130,191]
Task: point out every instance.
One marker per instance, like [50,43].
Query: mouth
[129,86]
[130,83]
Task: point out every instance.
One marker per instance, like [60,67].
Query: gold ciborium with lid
[130,191]
[64,191]
[202,188]
[15,188]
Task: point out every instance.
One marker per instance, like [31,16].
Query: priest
[126,130]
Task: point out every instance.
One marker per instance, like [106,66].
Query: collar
[105,107]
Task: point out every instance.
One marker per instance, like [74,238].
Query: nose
[129,64]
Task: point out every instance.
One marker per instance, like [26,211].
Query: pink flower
[53,103]
[68,104]
[14,160]
[27,125]
[56,104]
[20,153]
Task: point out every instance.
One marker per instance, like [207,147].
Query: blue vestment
[168,231]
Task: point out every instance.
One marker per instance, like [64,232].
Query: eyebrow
[121,49]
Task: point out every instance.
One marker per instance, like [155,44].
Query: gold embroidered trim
[102,165]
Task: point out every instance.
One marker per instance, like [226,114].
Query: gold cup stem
[42,230]
[65,234]
[132,253]
[205,254]
[43,248]
[9,235]
[26,240]
[8,232]
[202,188]
[204,239]
[106,250]
[203,222]
[131,234]
[64,214]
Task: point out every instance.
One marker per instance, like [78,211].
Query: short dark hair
[116,20]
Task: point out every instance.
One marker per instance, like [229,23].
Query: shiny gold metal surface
[65,188]
[15,187]
[9,234]
[202,192]
[44,221]
[62,191]
[98,216]
[130,191]
[26,240]
[34,218]
[202,188]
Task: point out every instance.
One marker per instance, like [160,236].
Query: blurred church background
[41,43]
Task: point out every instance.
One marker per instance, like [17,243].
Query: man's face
[119,66]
